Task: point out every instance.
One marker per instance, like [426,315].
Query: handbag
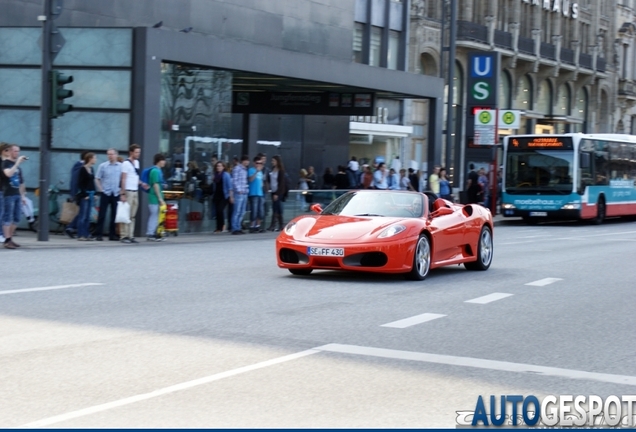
[69,211]
[123,213]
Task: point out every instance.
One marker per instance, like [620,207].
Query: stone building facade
[568,65]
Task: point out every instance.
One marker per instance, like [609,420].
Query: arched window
[504,90]
[458,84]
[563,107]
[428,64]
[580,111]
[523,99]
[544,98]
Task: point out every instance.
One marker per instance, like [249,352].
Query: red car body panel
[453,230]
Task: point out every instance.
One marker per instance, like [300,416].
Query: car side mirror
[442,211]
[316,208]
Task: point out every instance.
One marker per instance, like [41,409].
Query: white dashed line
[57,287]
[488,298]
[480,363]
[418,319]
[543,282]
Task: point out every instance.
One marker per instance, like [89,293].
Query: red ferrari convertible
[387,232]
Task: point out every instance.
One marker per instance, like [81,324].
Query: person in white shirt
[130,185]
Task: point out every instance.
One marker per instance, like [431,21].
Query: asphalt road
[216,335]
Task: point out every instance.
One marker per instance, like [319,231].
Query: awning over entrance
[259,67]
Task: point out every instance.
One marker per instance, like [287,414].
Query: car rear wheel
[421,259]
[484,251]
[300,272]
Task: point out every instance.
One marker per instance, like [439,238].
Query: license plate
[320,251]
[539,214]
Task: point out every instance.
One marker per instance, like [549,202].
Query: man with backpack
[130,183]
[155,195]
[70,229]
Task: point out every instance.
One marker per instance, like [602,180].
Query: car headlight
[506,206]
[290,228]
[391,231]
[571,206]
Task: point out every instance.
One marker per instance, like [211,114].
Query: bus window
[601,164]
[586,176]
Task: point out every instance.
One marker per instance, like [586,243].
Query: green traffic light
[59,93]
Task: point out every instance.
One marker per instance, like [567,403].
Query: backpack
[145,177]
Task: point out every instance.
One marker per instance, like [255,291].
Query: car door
[447,227]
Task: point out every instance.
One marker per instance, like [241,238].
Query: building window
[523,101]
[544,98]
[504,90]
[357,42]
[458,88]
[563,105]
[376,46]
[580,111]
[394,49]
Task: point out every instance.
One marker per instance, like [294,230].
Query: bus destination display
[540,142]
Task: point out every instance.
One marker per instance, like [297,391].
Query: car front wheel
[485,251]
[421,259]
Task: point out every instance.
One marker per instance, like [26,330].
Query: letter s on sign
[481,90]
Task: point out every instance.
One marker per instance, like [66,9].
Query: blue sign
[482,66]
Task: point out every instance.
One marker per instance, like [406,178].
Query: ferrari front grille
[290,256]
[367,259]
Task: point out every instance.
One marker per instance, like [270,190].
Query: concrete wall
[322,27]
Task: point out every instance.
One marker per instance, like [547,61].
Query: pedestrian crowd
[354,175]
[115,181]
[233,189]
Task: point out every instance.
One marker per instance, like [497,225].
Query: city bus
[569,176]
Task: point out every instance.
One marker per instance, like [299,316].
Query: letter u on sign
[482,66]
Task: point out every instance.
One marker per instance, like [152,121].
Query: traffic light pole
[45,125]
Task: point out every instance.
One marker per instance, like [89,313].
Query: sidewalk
[28,240]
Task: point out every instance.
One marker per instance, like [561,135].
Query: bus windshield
[539,171]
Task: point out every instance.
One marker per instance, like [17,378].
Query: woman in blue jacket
[221,187]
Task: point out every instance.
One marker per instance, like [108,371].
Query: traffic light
[59,93]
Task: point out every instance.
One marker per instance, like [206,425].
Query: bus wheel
[600,212]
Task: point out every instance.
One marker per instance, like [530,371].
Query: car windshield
[377,203]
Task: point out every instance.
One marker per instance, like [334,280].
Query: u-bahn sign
[483,79]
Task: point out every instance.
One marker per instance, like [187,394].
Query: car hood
[341,228]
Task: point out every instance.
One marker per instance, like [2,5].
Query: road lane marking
[418,319]
[597,235]
[516,243]
[543,282]
[167,390]
[488,298]
[56,287]
[496,365]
